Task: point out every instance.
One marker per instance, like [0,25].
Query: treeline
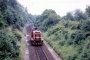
[12,13]
[15,16]
[47,19]
[68,35]
[78,15]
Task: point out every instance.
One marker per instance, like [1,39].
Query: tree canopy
[47,19]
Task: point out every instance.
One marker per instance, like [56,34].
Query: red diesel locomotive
[36,38]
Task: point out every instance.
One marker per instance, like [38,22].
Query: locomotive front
[36,37]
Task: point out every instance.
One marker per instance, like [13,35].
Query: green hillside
[69,42]
[69,35]
[13,17]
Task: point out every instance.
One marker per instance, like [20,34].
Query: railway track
[37,52]
[41,54]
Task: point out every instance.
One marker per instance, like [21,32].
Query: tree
[12,3]
[3,5]
[9,48]
[85,26]
[79,15]
[88,10]
[69,16]
[47,19]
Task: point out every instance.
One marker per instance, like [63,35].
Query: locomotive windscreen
[37,36]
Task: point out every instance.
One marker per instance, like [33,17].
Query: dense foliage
[76,15]
[12,13]
[70,35]
[9,50]
[88,10]
[13,16]
[47,19]
[71,44]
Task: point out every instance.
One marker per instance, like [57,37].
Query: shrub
[86,26]
[73,27]
[86,55]
[62,43]
[53,31]
[77,37]
[88,46]
[18,27]
[73,36]
[70,42]
[65,33]
[8,46]
[87,34]
[79,26]
[18,36]
[67,24]
[72,57]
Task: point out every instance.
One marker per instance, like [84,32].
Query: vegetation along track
[41,54]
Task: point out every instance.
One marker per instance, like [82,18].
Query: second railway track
[41,54]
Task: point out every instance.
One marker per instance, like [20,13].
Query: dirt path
[26,54]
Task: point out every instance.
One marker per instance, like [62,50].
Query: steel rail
[45,54]
[37,53]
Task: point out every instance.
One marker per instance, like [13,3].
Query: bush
[65,33]
[79,26]
[86,26]
[73,36]
[8,46]
[67,24]
[18,27]
[86,55]
[53,31]
[77,37]
[73,27]
[72,57]
[70,42]
[18,36]
[87,34]
[62,43]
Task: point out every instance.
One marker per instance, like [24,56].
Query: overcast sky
[36,7]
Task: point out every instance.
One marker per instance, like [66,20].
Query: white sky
[36,7]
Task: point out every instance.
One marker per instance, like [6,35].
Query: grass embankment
[69,44]
[21,43]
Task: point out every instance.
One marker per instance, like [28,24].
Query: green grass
[21,43]
[56,39]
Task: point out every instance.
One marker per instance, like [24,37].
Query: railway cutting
[37,50]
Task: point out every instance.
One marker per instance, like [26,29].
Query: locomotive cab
[36,37]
